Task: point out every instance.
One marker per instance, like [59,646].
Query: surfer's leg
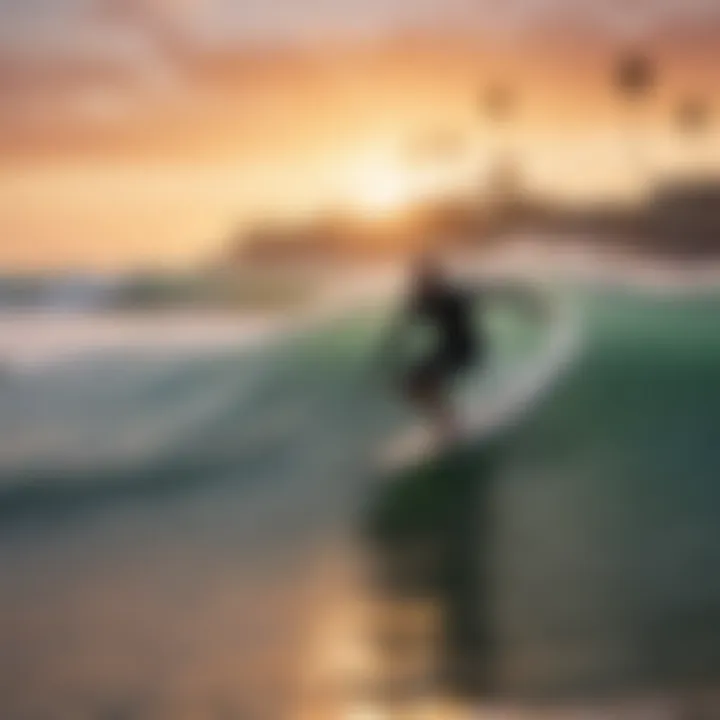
[442,413]
[446,369]
[427,389]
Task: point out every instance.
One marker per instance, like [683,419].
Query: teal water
[575,559]
[171,529]
[608,510]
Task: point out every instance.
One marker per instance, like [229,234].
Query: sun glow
[383,188]
[384,194]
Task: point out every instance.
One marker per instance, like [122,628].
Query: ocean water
[614,486]
[183,533]
[574,560]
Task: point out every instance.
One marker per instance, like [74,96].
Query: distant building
[685,216]
[339,240]
[285,246]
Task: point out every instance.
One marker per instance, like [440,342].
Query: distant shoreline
[37,336]
[589,260]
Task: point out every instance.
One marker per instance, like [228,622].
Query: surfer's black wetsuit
[450,311]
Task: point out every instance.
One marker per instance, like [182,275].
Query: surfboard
[485,410]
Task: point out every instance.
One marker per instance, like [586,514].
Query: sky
[145,132]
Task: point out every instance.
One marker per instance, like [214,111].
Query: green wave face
[578,553]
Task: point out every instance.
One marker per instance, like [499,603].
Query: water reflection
[430,532]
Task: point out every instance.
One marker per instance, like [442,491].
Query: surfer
[439,303]
[449,310]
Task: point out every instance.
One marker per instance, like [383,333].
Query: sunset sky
[143,132]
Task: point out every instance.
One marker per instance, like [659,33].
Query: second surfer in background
[444,307]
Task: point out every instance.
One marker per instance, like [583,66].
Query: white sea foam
[30,340]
